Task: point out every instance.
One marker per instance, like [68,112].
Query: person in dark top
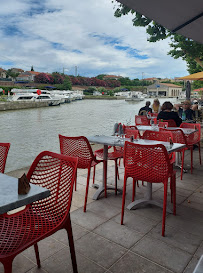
[144,110]
[167,114]
[186,113]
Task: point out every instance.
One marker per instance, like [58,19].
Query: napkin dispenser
[23,184]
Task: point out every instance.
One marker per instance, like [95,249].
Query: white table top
[186,131]
[115,141]
[9,197]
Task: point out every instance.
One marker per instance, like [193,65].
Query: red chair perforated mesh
[193,139]
[132,132]
[171,123]
[158,135]
[42,218]
[141,120]
[80,147]
[154,115]
[149,163]
[4,148]
[163,124]
[179,137]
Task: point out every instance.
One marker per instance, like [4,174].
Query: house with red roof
[27,76]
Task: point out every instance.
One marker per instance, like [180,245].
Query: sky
[80,36]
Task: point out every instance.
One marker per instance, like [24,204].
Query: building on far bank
[27,76]
[2,73]
[167,90]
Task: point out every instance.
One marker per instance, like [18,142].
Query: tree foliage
[187,49]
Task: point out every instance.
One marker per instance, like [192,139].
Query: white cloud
[65,33]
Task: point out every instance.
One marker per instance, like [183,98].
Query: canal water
[31,131]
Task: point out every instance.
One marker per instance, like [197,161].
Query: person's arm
[177,119]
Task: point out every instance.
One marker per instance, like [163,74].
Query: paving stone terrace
[103,245]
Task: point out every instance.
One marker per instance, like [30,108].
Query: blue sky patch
[11,30]
[108,40]
[132,52]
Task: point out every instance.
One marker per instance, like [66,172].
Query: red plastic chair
[179,137]
[149,163]
[133,127]
[42,218]
[193,139]
[154,114]
[163,124]
[80,147]
[171,123]
[4,148]
[132,132]
[158,135]
[141,120]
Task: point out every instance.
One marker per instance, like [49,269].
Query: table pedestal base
[101,190]
[139,203]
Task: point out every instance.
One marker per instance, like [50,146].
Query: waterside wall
[15,105]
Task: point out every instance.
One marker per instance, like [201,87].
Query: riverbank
[17,105]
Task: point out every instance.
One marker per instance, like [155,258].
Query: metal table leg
[101,188]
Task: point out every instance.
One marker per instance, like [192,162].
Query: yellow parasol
[194,77]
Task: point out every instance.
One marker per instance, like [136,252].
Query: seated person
[185,112]
[156,107]
[144,110]
[197,112]
[167,114]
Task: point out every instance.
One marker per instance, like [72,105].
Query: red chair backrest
[163,124]
[4,148]
[141,120]
[178,136]
[196,136]
[55,172]
[77,147]
[160,135]
[171,123]
[154,114]
[132,132]
[146,162]
[132,127]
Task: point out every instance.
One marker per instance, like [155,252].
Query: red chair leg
[174,194]
[105,178]
[8,266]
[116,173]
[94,169]
[191,152]
[37,255]
[182,165]
[71,244]
[87,188]
[164,207]
[123,199]
[200,160]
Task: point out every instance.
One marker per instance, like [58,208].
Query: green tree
[187,49]
[10,73]
[67,85]
[32,69]
[100,76]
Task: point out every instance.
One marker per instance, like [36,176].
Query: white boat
[23,97]
[46,97]
[135,96]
